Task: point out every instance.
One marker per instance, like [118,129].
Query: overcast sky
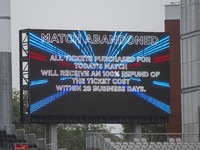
[120,15]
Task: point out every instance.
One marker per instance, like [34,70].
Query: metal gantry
[24,73]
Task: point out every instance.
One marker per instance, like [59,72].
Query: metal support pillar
[136,129]
[51,136]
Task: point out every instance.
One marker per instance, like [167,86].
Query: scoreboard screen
[98,73]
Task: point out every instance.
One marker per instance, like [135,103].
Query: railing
[103,141]
[95,141]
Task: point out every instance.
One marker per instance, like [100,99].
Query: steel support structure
[24,74]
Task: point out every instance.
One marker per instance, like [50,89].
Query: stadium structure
[181,114]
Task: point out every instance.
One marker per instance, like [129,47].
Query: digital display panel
[98,73]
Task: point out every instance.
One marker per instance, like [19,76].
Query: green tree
[16,106]
[38,129]
[154,128]
[73,136]
[147,128]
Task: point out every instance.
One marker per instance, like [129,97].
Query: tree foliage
[154,128]
[16,108]
[147,128]
[73,136]
[37,129]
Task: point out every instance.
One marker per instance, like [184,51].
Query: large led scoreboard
[76,76]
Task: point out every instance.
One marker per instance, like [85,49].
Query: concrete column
[51,136]
[136,129]
[5,68]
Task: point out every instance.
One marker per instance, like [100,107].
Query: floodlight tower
[5,68]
